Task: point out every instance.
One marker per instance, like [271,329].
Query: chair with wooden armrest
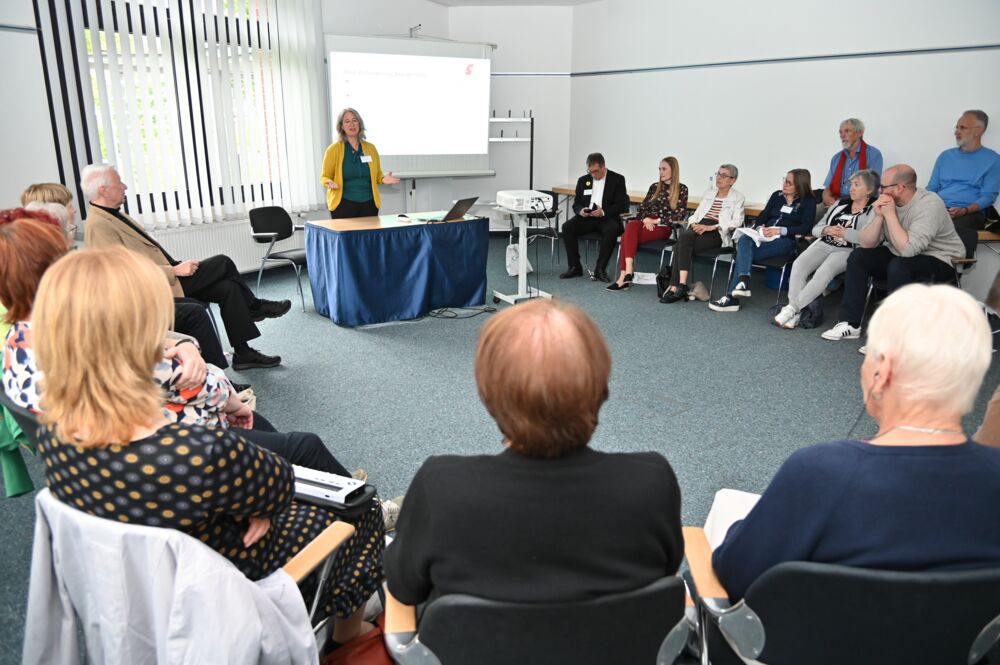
[825,614]
[642,626]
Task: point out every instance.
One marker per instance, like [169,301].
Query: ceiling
[510,3]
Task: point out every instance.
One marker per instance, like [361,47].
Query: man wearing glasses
[967,176]
[911,239]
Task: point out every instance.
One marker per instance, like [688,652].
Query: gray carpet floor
[725,397]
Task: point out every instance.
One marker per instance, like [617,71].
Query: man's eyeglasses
[885,187]
[720,174]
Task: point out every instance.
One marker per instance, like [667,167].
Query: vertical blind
[207,107]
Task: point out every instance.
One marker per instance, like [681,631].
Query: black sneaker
[254,359]
[725,304]
[270,309]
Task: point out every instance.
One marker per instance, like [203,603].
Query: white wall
[768,118]
[530,67]
[26,132]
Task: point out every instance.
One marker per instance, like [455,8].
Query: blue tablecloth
[373,276]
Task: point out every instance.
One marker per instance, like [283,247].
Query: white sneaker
[863,350]
[842,330]
[793,322]
[390,512]
[784,316]
[741,290]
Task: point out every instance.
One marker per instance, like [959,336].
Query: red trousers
[635,235]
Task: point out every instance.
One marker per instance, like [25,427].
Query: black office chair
[642,626]
[270,225]
[784,263]
[543,224]
[823,614]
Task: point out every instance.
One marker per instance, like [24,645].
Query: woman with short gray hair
[826,258]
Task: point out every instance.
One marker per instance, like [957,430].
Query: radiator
[231,238]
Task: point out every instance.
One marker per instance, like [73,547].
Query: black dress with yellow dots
[202,482]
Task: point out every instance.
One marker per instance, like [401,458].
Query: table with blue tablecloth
[376,269]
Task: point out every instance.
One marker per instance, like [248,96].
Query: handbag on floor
[365,649]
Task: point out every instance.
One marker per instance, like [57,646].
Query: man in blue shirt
[967,177]
[856,156]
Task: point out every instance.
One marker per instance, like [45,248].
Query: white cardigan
[730,217]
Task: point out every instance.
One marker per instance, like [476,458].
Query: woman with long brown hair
[665,202]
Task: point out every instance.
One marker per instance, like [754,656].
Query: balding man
[911,239]
[967,176]
[855,156]
[213,280]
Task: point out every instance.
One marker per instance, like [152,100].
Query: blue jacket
[797,222]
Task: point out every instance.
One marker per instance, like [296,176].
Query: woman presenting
[352,172]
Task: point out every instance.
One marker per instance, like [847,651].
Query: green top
[357,176]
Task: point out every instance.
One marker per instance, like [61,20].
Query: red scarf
[839,171]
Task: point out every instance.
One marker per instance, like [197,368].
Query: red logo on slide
[468,69]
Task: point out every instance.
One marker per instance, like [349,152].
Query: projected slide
[415,105]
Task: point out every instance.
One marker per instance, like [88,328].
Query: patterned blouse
[203,482]
[659,208]
[196,406]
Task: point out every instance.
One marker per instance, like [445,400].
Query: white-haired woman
[826,258]
[919,495]
[352,171]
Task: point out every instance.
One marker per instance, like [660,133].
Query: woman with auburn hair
[193,393]
[509,526]
[104,422]
[665,203]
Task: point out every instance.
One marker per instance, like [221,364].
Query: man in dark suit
[215,279]
[599,202]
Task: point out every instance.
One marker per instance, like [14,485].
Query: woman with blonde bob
[101,317]
[509,526]
[919,494]
[352,172]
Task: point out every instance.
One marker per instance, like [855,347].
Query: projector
[524,200]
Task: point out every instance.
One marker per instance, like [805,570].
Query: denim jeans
[747,252]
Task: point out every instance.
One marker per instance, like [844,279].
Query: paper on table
[753,234]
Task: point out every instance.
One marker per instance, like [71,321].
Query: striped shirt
[713,212]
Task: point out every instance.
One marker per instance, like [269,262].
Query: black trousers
[301,448]
[690,243]
[348,209]
[609,228]
[974,220]
[190,318]
[881,264]
[217,280]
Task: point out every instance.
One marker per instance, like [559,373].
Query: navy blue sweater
[905,508]
[799,221]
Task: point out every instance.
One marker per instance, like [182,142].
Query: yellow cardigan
[333,171]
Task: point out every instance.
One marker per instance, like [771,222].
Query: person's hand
[330,184]
[958,212]
[193,368]
[649,223]
[389,179]
[834,231]
[701,228]
[257,528]
[242,417]
[597,212]
[882,202]
[770,231]
[828,198]
[186,268]
[585,212]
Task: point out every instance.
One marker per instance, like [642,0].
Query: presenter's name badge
[366,159]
